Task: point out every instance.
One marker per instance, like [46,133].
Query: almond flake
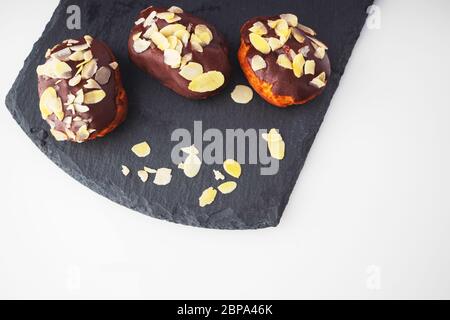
[103,75]
[89,69]
[304,51]
[62,55]
[242,94]
[58,135]
[92,84]
[319,43]
[75,81]
[196,45]
[94,97]
[184,36]
[150,20]
[320,81]
[227,187]
[282,28]
[80,47]
[283,61]
[50,103]
[186,59]
[141,150]
[88,56]
[114,65]
[259,43]
[171,29]
[88,40]
[165,15]
[81,108]
[172,58]
[207,198]
[143,175]
[275,43]
[310,67]
[306,29]
[160,41]
[298,64]
[150,170]
[277,147]
[141,45]
[175,9]
[233,168]
[320,53]
[163,177]
[82,134]
[125,171]
[290,18]
[191,70]
[139,21]
[218,175]
[136,36]
[77,56]
[298,35]
[207,82]
[259,28]
[258,63]
[204,34]
[191,150]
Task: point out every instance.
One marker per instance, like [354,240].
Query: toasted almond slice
[92,84]
[46,99]
[242,94]
[89,69]
[191,150]
[196,45]
[275,43]
[191,70]
[141,45]
[173,41]
[171,29]
[150,170]
[273,23]
[319,43]
[298,35]
[82,134]
[298,64]
[290,18]
[143,175]
[183,35]
[310,67]
[139,21]
[59,136]
[103,75]
[142,149]
[186,59]
[160,41]
[88,40]
[125,171]
[272,136]
[320,53]
[320,81]
[165,15]
[88,56]
[175,9]
[80,47]
[62,55]
[218,175]
[259,28]
[77,56]
[259,43]
[233,168]
[277,147]
[191,166]
[306,29]
[150,20]
[114,65]
[208,197]
[137,36]
[62,70]
[227,187]
[163,177]
[304,51]
[284,61]
[282,28]
[172,58]
[75,80]
[94,97]
[207,82]
[258,63]
[204,34]
[81,108]
[79,99]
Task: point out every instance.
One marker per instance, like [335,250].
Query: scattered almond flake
[172,58]
[227,187]
[273,23]
[67,122]
[191,150]
[306,29]
[79,98]
[58,135]
[274,43]
[58,82]
[75,81]
[82,134]
[258,63]
[191,70]
[233,168]
[47,102]
[204,34]
[259,28]
[80,47]
[259,43]
[139,21]
[207,82]
[148,34]
[150,19]
[160,41]
[320,53]
[63,70]
[150,170]
[114,65]
[163,177]
[304,51]
[207,198]
[195,44]
[71,41]
[143,175]
[179,47]
[298,64]
[70,134]
[171,29]
[320,81]
[242,94]
[77,56]
[318,42]
[173,41]
[218,175]
[285,38]
[81,108]
[88,40]
[94,97]
[137,36]
[92,84]
[62,55]
[290,18]
[284,61]
[175,9]
[88,56]
[125,171]
[184,36]
[103,75]
[191,166]
[282,28]
[141,45]
[186,59]
[89,69]
[165,15]
[141,150]
[310,67]
[174,19]
[277,147]
[298,35]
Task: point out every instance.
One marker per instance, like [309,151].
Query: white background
[369,217]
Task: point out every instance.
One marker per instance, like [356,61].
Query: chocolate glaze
[284,82]
[213,58]
[102,117]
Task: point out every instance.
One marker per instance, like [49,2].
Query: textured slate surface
[155,112]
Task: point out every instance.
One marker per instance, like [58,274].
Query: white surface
[374,192]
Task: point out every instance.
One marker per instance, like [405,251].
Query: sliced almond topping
[79,99]
[141,45]
[277,147]
[103,75]
[125,171]
[233,168]
[191,71]
[258,63]
[143,175]
[207,82]
[218,175]
[80,47]
[114,65]
[50,103]
[77,56]
[163,177]
[160,41]
[275,43]
[137,36]
[298,35]
[175,9]
[165,15]
[184,36]
[139,21]
[89,69]
[259,43]
[75,80]
[320,53]
[242,94]
[174,19]
[192,150]
[319,43]
[273,23]
[290,18]
[150,20]
[192,165]
[81,108]
[304,51]
[282,28]
[94,97]
[284,61]
[208,197]
[186,59]
[227,187]
[63,70]
[320,81]
[310,67]
[196,43]
[306,29]
[150,170]
[92,84]
[88,56]
[88,40]
[59,136]
[298,64]
[259,28]
[172,58]
[171,29]
[141,150]
[204,34]
[82,134]
[148,34]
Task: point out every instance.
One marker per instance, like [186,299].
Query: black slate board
[155,112]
